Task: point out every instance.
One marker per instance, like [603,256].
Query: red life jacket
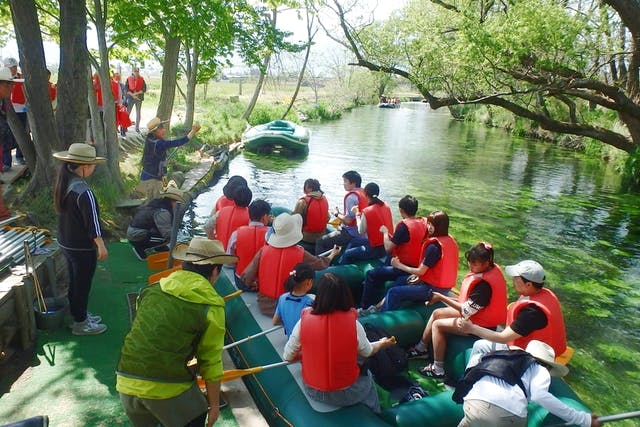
[53,91]
[376,216]
[495,313]
[275,266]
[250,239]
[363,202]
[554,333]
[223,202]
[228,220]
[409,253]
[115,89]
[329,344]
[315,220]
[445,272]
[17,93]
[134,84]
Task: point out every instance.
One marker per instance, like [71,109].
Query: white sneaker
[94,318]
[88,328]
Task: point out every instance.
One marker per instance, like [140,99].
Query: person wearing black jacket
[152,222]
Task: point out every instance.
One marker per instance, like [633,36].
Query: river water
[530,199]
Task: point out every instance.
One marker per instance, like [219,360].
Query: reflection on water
[531,199]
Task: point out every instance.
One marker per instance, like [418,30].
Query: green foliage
[323,110]
[632,167]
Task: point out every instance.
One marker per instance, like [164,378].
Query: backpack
[387,363]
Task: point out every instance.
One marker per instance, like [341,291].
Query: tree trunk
[263,73]
[71,114]
[310,37]
[169,72]
[111,146]
[29,39]
[192,73]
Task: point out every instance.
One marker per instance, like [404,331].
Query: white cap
[528,269]
[10,62]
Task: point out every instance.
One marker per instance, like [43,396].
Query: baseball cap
[528,269]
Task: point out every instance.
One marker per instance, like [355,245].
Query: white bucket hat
[201,250]
[287,230]
[545,354]
[10,62]
[6,76]
[528,269]
[80,152]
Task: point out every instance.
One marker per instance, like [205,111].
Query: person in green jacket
[177,318]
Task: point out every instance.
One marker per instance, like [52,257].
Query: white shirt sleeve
[364,346]
[292,347]
[537,381]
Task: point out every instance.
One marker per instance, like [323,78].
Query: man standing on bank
[154,156]
[136,88]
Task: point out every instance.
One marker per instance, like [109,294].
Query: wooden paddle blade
[234,374]
[157,276]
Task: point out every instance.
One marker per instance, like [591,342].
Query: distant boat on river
[279,136]
[389,102]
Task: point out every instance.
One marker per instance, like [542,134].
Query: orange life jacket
[409,253]
[445,272]
[363,202]
[377,215]
[135,84]
[275,266]
[228,220]
[250,238]
[329,344]
[554,333]
[18,99]
[495,313]
[315,220]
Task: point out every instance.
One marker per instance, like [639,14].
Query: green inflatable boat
[278,136]
[279,394]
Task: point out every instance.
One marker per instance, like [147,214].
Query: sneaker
[223,403]
[140,254]
[367,311]
[88,328]
[95,318]
[415,353]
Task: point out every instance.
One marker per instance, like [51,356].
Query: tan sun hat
[173,193]
[80,152]
[287,230]
[201,250]
[155,123]
[545,354]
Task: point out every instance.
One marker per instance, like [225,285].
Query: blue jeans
[373,287]
[399,293]
[359,249]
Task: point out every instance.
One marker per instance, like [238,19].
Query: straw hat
[287,230]
[80,152]
[201,250]
[173,193]
[545,354]
[155,123]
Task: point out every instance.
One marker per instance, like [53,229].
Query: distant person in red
[19,102]
[136,88]
[6,83]
[53,92]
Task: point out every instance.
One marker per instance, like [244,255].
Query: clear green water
[531,199]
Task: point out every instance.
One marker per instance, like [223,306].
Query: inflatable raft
[279,136]
[279,394]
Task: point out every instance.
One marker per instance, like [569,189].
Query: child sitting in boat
[483,298]
[332,341]
[297,298]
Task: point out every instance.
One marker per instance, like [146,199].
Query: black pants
[82,266]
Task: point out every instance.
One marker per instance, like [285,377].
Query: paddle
[234,374]
[177,212]
[606,418]
[157,276]
[250,337]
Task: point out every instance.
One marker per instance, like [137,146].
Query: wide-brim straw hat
[287,230]
[81,153]
[545,354]
[6,76]
[173,193]
[155,123]
[201,250]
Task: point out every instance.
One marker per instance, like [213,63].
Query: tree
[547,61]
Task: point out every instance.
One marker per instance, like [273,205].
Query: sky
[286,21]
